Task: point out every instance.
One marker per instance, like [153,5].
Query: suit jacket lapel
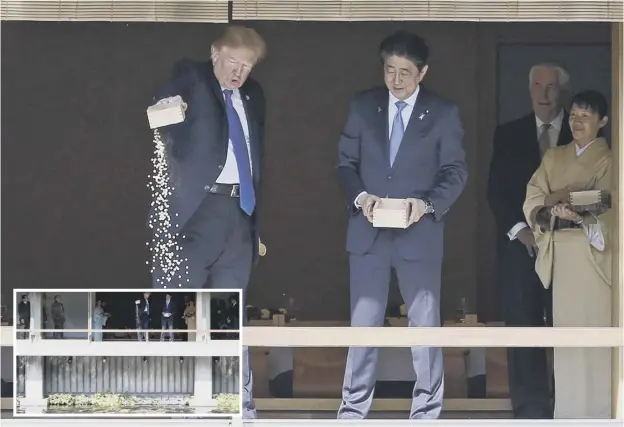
[380,122]
[420,116]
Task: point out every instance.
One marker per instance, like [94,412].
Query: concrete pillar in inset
[203,400]
[202,316]
[90,304]
[36,309]
[33,385]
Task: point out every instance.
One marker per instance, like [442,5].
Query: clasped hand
[415,207]
[563,211]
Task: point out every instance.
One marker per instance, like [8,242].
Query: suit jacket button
[389,176]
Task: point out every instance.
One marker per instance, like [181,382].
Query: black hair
[406,45]
[593,101]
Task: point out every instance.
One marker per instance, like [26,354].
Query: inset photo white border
[109,340]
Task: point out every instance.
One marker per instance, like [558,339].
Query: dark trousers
[59,325]
[217,246]
[143,324]
[26,326]
[526,303]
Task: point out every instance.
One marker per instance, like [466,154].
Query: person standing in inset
[143,316]
[58,317]
[166,317]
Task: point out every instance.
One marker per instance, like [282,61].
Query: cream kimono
[577,262]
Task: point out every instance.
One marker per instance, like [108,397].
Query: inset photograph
[127,352]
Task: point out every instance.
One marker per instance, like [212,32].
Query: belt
[232,190]
[564,224]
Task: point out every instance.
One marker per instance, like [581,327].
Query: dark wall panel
[76,151]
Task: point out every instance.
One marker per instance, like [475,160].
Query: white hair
[564,76]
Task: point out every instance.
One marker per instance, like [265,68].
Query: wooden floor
[316,415]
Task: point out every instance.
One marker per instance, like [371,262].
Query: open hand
[526,237]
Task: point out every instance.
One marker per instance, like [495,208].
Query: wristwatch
[428,206]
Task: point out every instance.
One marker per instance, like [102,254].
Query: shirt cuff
[355,202]
[515,229]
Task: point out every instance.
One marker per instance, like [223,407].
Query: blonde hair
[237,36]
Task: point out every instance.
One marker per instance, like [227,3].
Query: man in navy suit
[518,149]
[215,158]
[167,316]
[400,141]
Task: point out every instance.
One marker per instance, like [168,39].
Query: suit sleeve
[349,158]
[180,83]
[453,172]
[497,187]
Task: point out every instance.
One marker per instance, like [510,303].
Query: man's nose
[546,94]
[238,71]
[397,78]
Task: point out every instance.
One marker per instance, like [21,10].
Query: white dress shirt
[555,129]
[229,173]
[406,114]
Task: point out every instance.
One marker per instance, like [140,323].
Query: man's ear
[214,53]
[423,72]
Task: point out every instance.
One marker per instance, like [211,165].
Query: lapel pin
[379,109]
[421,116]
[247,97]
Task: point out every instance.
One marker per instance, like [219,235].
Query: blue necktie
[397,131]
[239,144]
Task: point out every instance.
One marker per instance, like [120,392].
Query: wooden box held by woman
[574,254]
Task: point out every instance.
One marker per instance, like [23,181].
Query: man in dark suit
[400,141]
[167,316]
[518,148]
[216,157]
[23,311]
[143,311]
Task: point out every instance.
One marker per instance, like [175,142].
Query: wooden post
[617,127]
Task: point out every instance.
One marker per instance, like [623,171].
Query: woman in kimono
[189,318]
[99,320]
[574,254]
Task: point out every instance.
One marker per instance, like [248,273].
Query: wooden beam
[381,405]
[286,336]
[6,404]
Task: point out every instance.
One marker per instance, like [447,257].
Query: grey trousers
[419,283]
